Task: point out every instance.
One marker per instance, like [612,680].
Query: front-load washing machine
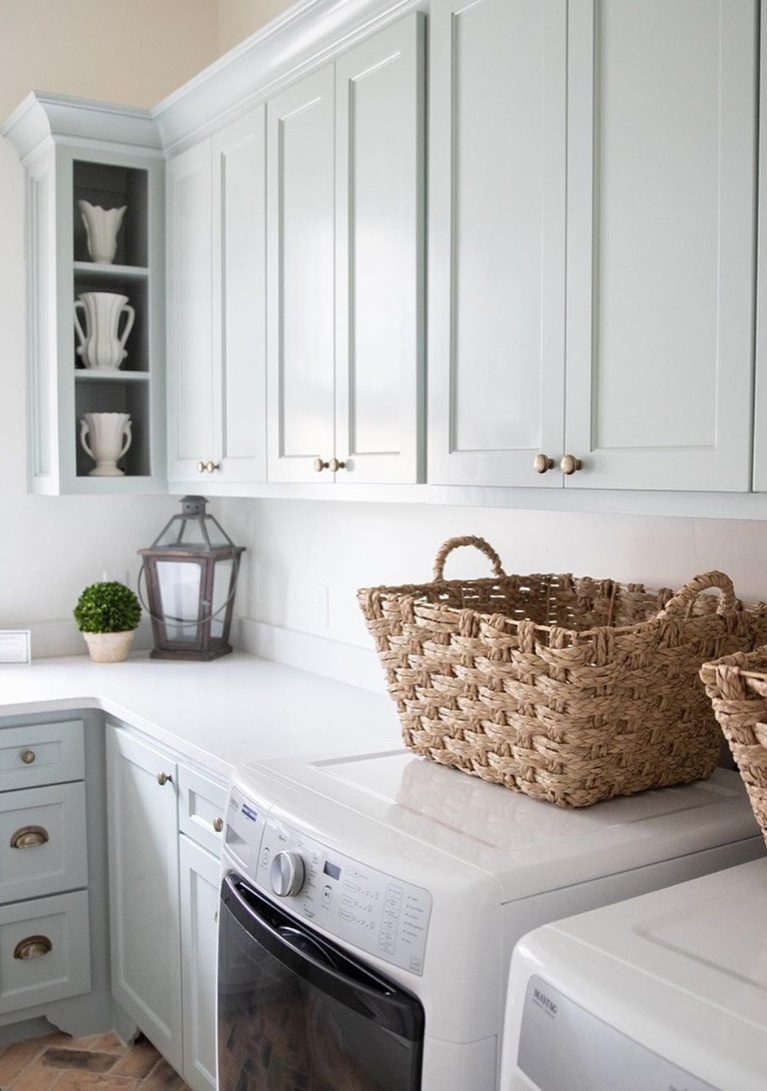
[370,905]
[665,991]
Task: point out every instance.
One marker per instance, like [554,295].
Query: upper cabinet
[345,266]
[95,296]
[592,226]
[217,306]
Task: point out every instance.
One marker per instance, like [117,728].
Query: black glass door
[297,1014]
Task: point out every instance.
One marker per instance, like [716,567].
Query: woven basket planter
[737,687]
[572,690]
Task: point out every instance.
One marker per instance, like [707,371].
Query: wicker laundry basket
[737,686]
[569,689]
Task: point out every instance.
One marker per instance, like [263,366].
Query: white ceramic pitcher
[101,227]
[110,437]
[101,347]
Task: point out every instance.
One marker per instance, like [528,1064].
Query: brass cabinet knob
[218,824]
[200,467]
[28,756]
[29,837]
[32,947]
[334,465]
[164,778]
[542,463]
[569,465]
[319,465]
[211,467]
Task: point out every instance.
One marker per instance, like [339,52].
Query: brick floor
[100,1063]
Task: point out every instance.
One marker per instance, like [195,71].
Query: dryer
[668,990]
[370,905]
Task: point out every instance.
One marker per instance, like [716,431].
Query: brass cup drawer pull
[218,824]
[32,947]
[29,837]
[28,756]
[164,778]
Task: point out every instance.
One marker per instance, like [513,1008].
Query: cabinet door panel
[199,930]
[496,237]
[239,299]
[301,351]
[190,346]
[143,890]
[662,150]
[379,266]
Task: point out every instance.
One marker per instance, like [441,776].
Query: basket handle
[683,600]
[454,543]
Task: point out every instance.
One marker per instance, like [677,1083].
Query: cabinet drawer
[41,754]
[55,932]
[43,846]
[201,809]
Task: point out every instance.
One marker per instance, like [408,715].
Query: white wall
[134,52]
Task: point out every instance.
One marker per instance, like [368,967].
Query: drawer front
[201,809]
[43,847]
[41,754]
[54,935]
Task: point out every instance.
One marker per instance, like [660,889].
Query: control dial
[287,874]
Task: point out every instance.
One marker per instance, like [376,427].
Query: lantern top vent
[193,531]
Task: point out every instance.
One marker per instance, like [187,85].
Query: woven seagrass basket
[737,687]
[570,689]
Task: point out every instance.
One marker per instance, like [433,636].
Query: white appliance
[424,878]
[664,991]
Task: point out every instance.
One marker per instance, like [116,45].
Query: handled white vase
[101,347]
[110,437]
[101,227]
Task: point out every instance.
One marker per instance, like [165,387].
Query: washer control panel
[360,905]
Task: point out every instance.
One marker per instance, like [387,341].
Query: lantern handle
[183,622]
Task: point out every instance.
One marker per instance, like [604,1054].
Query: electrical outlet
[321,605]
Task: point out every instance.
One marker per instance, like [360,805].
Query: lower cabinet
[165,823]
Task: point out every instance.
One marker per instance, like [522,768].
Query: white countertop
[220,714]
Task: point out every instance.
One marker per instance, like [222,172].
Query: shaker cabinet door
[239,299]
[300,288]
[496,240]
[191,387]
[661,228]
[379,257]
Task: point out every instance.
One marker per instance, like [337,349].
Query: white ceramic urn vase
[101,227]
[110,437]
[102,346]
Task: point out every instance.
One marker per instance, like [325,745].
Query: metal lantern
[191,574]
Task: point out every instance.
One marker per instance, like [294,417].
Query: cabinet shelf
[87,375]
[92,268]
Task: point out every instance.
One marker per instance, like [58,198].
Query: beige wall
[238,19]
[133,51]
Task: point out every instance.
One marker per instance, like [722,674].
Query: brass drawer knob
[28,756]
[29,837]
[334,465]
[218,824]
[211,467]
[32,947]
[542,463]
[200,467]
[569,465]
[319,465]
[164,778]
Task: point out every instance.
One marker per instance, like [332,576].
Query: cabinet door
[143,889]
[300,322]
[239,298]
[379,256]
[661,198]
[190,347]
[496,239]
[199,932]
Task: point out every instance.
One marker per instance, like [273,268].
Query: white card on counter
[15,646]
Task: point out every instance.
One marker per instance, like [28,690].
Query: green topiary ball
[107,608]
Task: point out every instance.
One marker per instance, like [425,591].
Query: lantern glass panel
[179,584]
[222,582]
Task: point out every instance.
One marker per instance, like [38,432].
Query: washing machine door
[295,1011]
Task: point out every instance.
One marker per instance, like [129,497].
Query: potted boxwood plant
[107,615]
